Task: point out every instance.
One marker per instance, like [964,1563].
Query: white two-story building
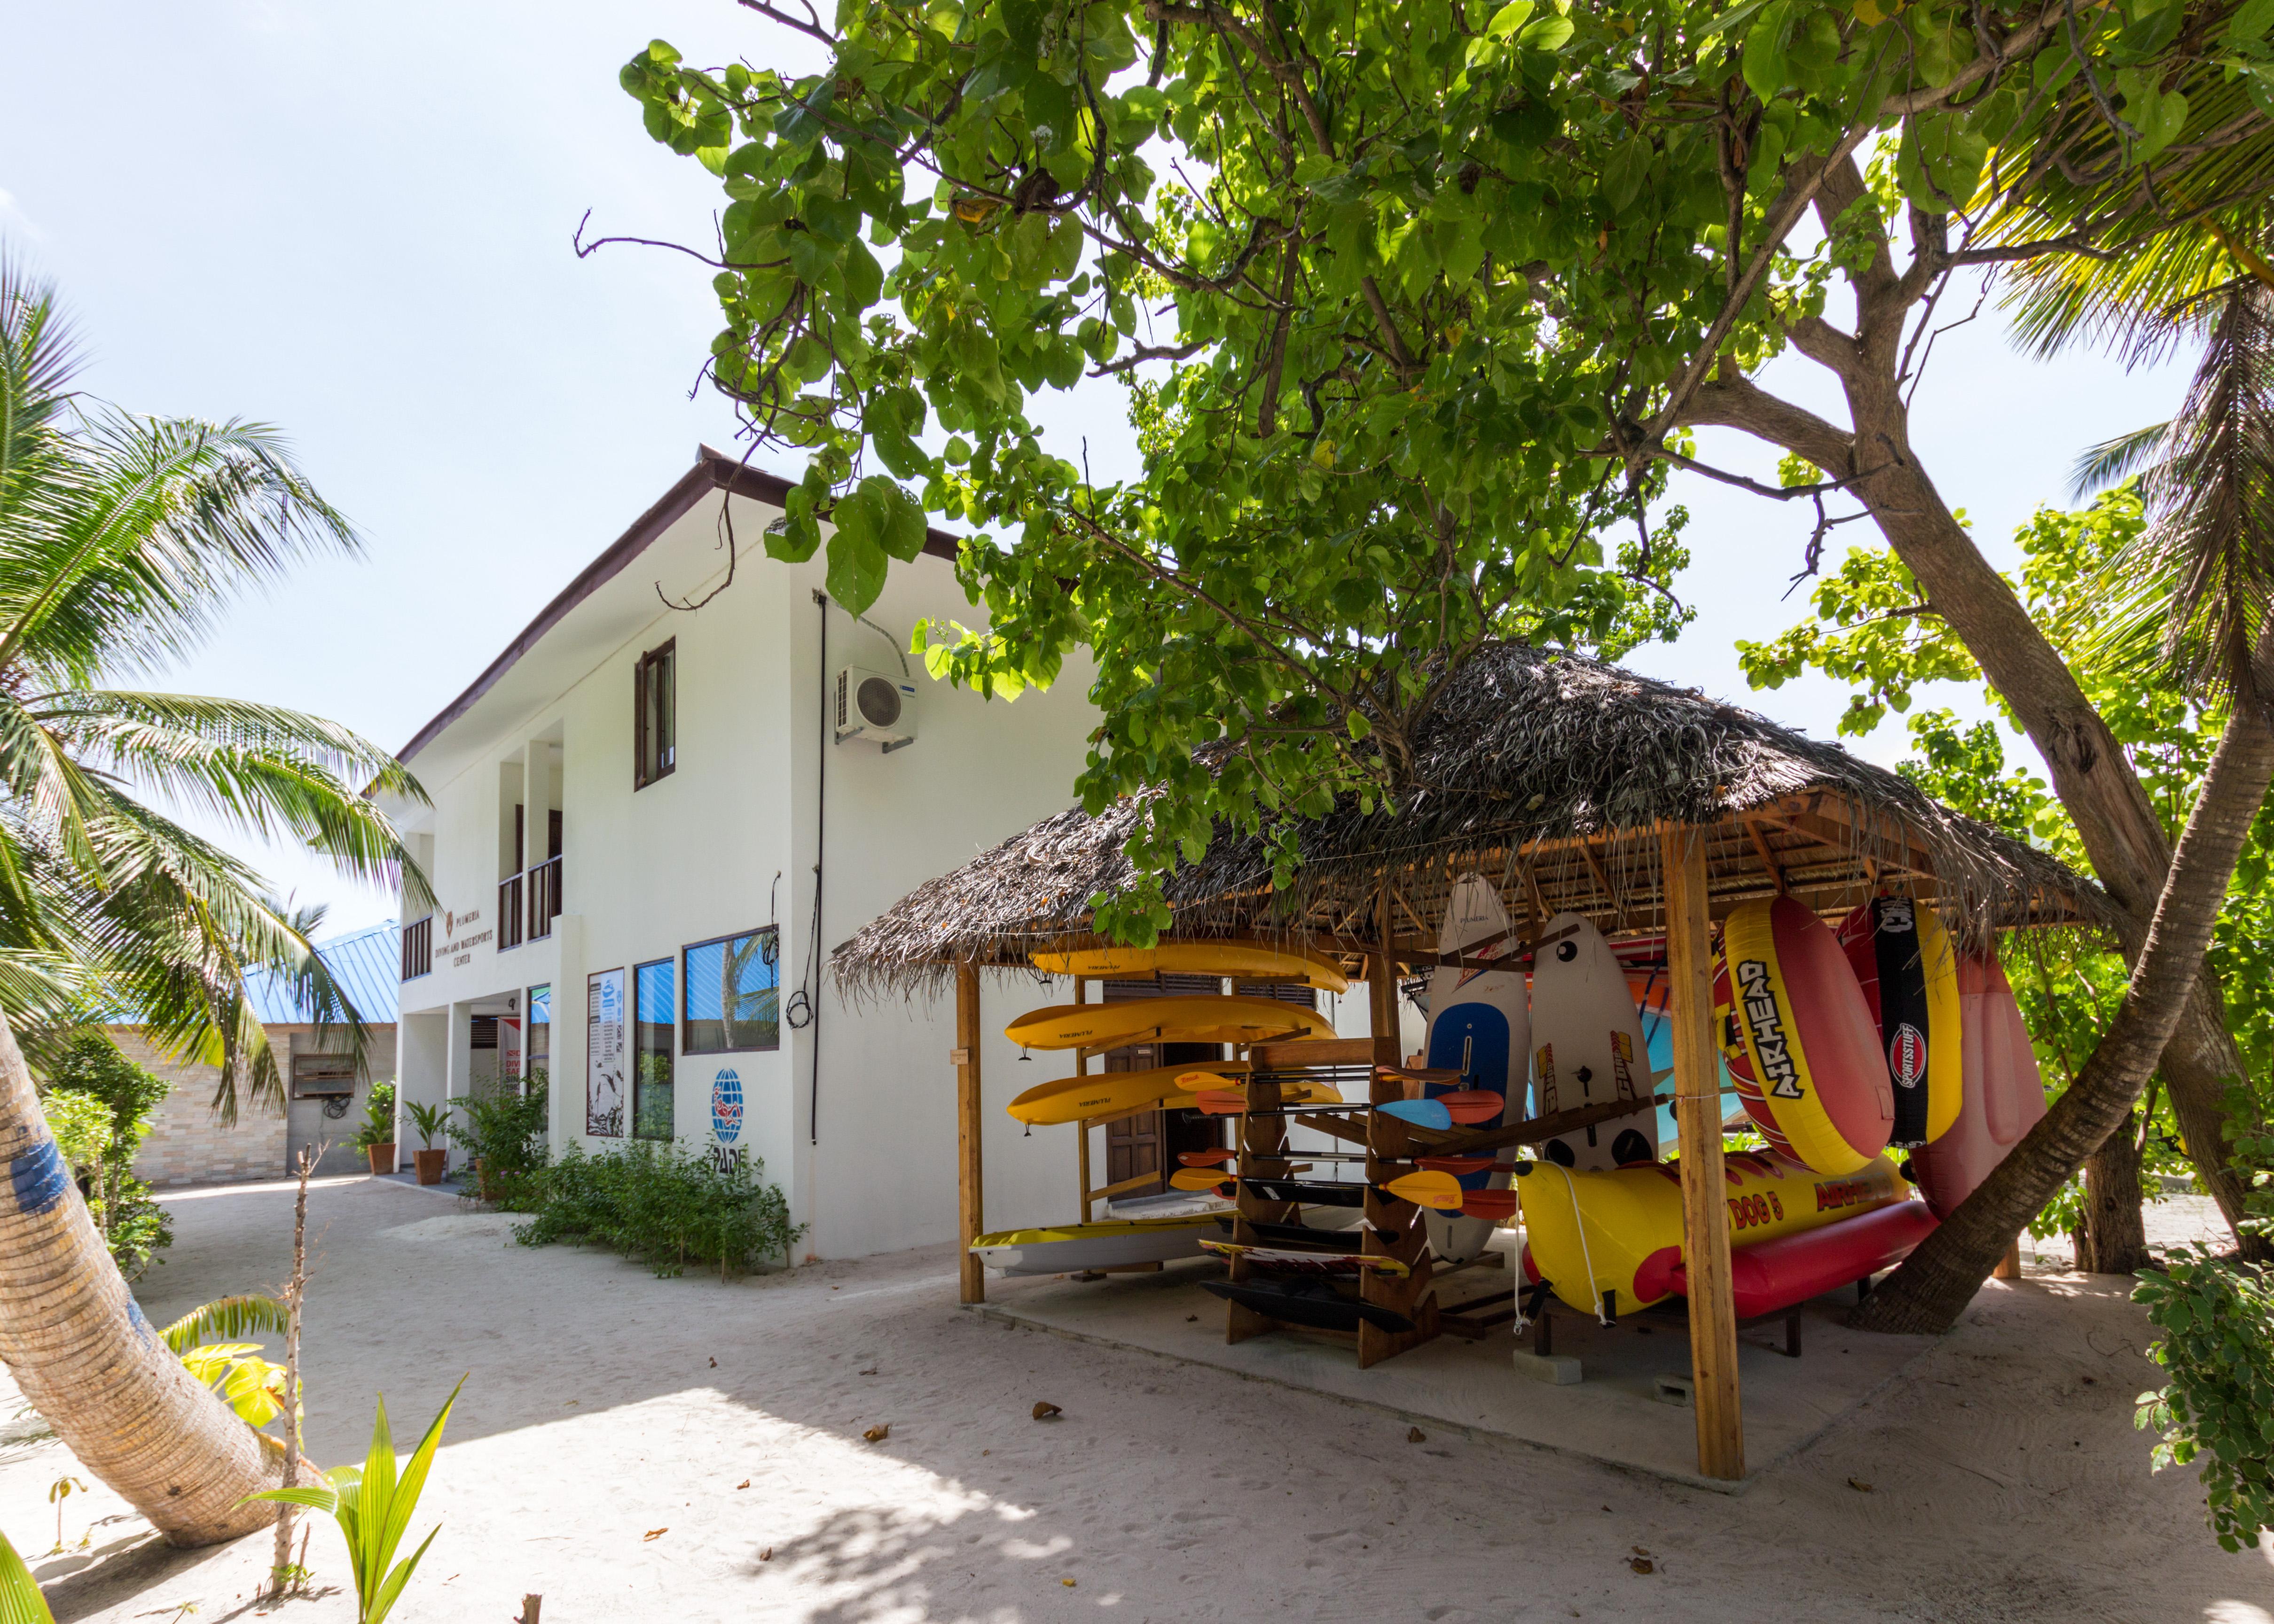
[655,811]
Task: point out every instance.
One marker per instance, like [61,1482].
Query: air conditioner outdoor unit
[873,706]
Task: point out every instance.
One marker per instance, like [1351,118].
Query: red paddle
[1206,1158]
[1454,1165]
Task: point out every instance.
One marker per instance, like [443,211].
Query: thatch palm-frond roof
[1551,775]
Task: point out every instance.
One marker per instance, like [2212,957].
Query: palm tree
[122,541]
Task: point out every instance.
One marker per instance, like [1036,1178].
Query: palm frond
[227,1320]
[2114,461]
[167,524]
[2210,502]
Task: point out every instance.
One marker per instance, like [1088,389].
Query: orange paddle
[1206,1158]
[1201,1179]
[1443,1192]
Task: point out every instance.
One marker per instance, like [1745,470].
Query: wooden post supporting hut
[1573,788]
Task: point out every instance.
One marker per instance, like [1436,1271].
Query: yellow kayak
[1237,959]
[1074,1099]
[1067,1248]
[1165,1021]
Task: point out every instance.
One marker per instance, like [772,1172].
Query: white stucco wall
[696,856]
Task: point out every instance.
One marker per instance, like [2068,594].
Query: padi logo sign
[1771,1047]
[726,1107]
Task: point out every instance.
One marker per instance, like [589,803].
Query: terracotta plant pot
[430,1165]
[382,1157]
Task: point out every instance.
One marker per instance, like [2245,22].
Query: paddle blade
[1474,1105]
[1205,1158]
[1420,1113]
[1441,1191]
[1458,1166]
[1499,1206]
[1221,1102]
[1200,1178]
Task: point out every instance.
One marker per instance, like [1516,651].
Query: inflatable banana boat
[1613,1237]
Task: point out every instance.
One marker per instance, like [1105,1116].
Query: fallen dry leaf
[1189,1319]
[869,1371]
[1639,1550]
[653,1533]
[1415,1435]
[877,1433]
[1044,1409]
[714,1364]
[1067,1582]
[1859,1485]
[766,1555]
[1642,1564]
[744,1484]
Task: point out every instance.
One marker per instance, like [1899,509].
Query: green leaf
[1549,33]
[1763,62]
[857,558]
[20,1600]
[1509,17]
[1940,163]
[864,278]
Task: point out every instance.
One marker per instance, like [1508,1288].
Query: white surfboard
[1587,1047]
[1480,1025]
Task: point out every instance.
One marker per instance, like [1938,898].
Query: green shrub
[507,1132]
[667,1207]
[378,1119]
[92,1074]
[2217,1315]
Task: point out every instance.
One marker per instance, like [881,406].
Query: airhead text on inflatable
[1801,1046]
[1479,1025]
[1904,961]
[2004,1095]
[1608,1241]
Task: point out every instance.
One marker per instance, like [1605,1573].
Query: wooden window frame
[686,985]
[646,769]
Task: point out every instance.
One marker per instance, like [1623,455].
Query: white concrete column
[422,1071]
[460,1072]
[565,1103]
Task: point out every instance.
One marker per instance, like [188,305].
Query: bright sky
[354,223]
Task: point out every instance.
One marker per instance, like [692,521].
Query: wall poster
[604,1054]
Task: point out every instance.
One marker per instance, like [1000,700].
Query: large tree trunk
[75,1340]
[1934,1286]
[2113,1238]
[2094,779]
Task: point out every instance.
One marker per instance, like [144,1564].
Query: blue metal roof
[367,962]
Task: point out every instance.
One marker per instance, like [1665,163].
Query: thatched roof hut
[1553,776]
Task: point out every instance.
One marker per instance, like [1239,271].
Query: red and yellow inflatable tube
[1619,1229]
[1801,1046]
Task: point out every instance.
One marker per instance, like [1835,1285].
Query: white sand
[2004,1485]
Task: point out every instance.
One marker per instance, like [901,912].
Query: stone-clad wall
[186,1144]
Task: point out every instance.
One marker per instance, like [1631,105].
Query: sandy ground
[639,1449]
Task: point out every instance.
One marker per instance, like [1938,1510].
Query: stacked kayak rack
[1088,1100]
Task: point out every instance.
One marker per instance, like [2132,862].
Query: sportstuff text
[1770,1044]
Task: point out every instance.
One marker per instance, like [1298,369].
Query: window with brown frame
[655,719]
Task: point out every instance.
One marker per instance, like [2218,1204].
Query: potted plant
[376,1136]
[431,1121]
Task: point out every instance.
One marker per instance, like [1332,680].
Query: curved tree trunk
[2113,1238]
[2130,854]
[1934,1286]
[75,1340]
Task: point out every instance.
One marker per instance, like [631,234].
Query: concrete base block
[1558,1370]
[1680,1391]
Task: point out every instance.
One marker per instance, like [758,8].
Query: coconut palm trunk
[75,1340]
